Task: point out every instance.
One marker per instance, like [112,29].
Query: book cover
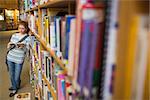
[23,96]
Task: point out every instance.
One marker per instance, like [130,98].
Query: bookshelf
[63,4]
[96,57]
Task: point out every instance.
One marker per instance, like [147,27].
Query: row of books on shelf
[29,4]
[55,29]
[59,34]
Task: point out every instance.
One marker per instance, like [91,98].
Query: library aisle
[4,78]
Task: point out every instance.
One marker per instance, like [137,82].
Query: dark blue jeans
[15,72]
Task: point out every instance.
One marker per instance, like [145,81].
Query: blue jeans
[15,72]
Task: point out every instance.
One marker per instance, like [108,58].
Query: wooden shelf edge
[38,89]
[51,53]
[56,3]
[34,8]
[49,87]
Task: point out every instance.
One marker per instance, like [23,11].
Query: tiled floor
[4,77]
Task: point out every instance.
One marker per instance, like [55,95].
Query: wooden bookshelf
[50,4]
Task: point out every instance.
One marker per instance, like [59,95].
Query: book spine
[68,20]
[111,52]
[52,36]
[63,37]
[58,33]
[140,63]
[71,47]
[90,68]
[84,56]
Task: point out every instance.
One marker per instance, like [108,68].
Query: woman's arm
[10,44]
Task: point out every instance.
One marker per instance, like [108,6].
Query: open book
[23,96]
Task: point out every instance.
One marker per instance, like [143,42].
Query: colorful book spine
[72,41]
[63,37]
[33,3]
[68,22]
[36,3]
[46,29]
[90,68]
[84,56]
[49,69]
[61,86]
[45,96]
[52,36]
[43,55]
[57,31]
[111,52]
[36,22]
[141,58]
[30,3]
[26,4]
[43,24]
[49,95]
[40,78]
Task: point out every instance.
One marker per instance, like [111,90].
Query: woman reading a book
[17,48]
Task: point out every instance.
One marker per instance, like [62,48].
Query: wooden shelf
[33,9]
[38,89]
[57,3]
[21,13]
[50,88]
[51,53]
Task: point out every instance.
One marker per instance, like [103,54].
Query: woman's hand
[20,45]
[9,44]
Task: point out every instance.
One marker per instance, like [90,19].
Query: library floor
[4,77]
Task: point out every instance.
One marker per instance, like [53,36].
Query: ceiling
[9,4]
